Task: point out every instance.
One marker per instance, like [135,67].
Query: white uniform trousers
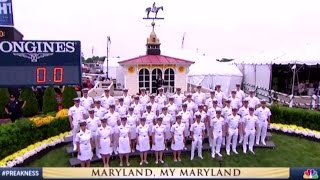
[115,141]
[248,137]
[216,142]
[75,130]
[96,143]
[233,135]
[210,138]
[262,131]
[241,134]
[196,143]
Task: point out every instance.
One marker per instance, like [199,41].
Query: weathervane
[154,9]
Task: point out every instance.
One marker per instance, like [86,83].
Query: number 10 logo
[42,75]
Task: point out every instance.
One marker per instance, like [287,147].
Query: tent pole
[292,89]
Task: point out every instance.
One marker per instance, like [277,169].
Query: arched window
[155,74]
[144,79]
[169,79]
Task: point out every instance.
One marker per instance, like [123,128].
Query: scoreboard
[40,63]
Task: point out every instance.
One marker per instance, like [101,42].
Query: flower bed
[297,130]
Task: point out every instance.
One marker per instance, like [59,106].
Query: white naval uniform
[198,133]
[143,143]
[104,135]
[186,119]
[177,130]
[122,110]
[250,123]
[127,100]
[178,100]
[86,102]
[203,116]
[233,124]
[226,112]
[253,101]
[167,120]
[137,109]
[150,119]
[191,107]
[113,119]
[240,94]
[161,100]
[124,141]
[144,100]
[92,125]
[84,140]
[172,110]
[77,114]
[132,121]
[219,96]
[243,111]
[100,112]
[235,102]
[107,101]
[198,98]
[209,102]
[263,116]
[154,107]
[159,134]
[217,125]
[211,114]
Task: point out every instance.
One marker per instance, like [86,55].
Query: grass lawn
[289,152]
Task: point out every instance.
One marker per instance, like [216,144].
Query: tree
[67,97]
[4,99]
[31,107]
[50,103]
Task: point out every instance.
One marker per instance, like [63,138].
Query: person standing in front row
[93,123]
[104,136]
[217,125]
[232,126]
[124,141]
[197,133]
[143,143]
[84,144]
[178,139]
[250,125]
[158,140]
[263,114]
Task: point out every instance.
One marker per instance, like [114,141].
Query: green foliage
[296,116]
[67,97]
[19,135]
[4,99]
[31,107]
[49,101]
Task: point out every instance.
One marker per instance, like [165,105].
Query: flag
[109,40]
[92,51]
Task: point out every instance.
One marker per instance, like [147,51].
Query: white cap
[218,109]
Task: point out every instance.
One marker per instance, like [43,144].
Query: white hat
[246,99]
[251,107]
[218,109]
[82,121]
[76,99]
[197,114]
[234,108]
[97,99]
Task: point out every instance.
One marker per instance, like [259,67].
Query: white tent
[115,70]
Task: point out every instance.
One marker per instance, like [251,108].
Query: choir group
[156,122]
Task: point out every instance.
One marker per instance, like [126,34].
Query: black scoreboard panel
[7,33]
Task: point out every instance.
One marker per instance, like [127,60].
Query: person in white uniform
[150,117]
[226,112]
[211,114]
[84,145]
[144,98]
[158,140]
[126,98]
[153,104]
[172,108]
[137,107]
[217,128]
[250,126]
[167,121]
[264,115]
[133,122]
[197,133]
[143,143]
[240,94]
[124,141]
[253,100]
[161,99]
[209,100]
[76,113]
[219,95]
[99,111]
[104,136]
[234,101]
[179,99]
[113,119]
[93,123]
[192,107]
[121,108]
[186,119]
[198,97]
[243,111]
[232,126]
[107,99]
[178,139]
[86,101]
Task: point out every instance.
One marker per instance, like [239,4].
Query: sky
[217,28]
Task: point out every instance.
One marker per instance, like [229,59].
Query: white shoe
[156,162]
[185,148]
[146,162]
[264,143]
[141,163]
[167,149]
[252,152]
[228,153]
[244,152]
[161,161]
[257,143]
[191,159]
[74,148]
[213,155]
[235,151]
[200,157]
[175,160]
[179,160]
[219,154]
[99,156]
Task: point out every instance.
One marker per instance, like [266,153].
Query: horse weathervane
[154,9]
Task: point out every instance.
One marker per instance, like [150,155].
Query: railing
[99,88]
[306,102]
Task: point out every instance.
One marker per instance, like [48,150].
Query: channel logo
[310,174]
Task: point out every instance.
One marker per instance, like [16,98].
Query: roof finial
[153,24]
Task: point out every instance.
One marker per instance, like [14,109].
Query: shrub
[67,97]
[296,116]
[4,98]
[31,107]
[49,101]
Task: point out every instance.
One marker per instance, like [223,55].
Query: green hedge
[67,97]
[49,101]
[4,99]
[31,108]
[296,116]
[19,135]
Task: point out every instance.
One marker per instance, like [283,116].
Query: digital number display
[46,63]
